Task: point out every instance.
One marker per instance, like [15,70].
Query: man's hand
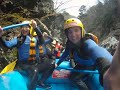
[45,34]
[33,24]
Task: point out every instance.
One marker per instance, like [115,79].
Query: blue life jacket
[23,50]
[81,61]
[94,51]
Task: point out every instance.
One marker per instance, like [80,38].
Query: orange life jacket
[92,36]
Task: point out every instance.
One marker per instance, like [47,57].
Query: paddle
[10,66]
[14,26]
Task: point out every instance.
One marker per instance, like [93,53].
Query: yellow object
[10,67]
[41,49]
[32,58]
[72,22]
[32,50]
[32,32]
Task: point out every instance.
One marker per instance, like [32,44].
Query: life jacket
[91,36]
[41,50]
[29,48]
[83,61]
[58,53]
[80,59]
[32,51]
[57,46]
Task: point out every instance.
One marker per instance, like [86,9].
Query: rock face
[6,6]
[41,10]
[111,42]
[31,8]
[55,24]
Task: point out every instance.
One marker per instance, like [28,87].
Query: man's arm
[48,40]
[112,76]
[38,31]
[7,44]
[62,58]
[39,35]
[101,56]
[96,51]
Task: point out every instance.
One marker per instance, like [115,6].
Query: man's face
[25,30]
[74,34]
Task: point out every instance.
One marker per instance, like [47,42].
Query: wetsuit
[47,58]
[87,56]
[33,67]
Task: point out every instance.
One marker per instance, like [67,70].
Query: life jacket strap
[41,49]
[32,51]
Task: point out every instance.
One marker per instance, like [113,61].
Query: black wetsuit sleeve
[39,34]
[48,41]
[62,58]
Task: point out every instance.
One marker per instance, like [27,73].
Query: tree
[100,18]
[58,6]
[82,11]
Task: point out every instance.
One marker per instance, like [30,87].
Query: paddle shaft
[14,26]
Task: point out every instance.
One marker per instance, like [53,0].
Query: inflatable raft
[58,80]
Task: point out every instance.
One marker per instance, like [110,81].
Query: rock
[116,33]
[110,44]
[55,23]
[7,6]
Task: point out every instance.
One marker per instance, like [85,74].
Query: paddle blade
[9,67]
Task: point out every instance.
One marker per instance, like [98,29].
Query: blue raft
[59,79]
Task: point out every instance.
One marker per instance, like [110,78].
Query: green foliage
[100,18]
[8,19]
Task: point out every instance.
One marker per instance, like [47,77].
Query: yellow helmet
[32,32]
[72,22]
